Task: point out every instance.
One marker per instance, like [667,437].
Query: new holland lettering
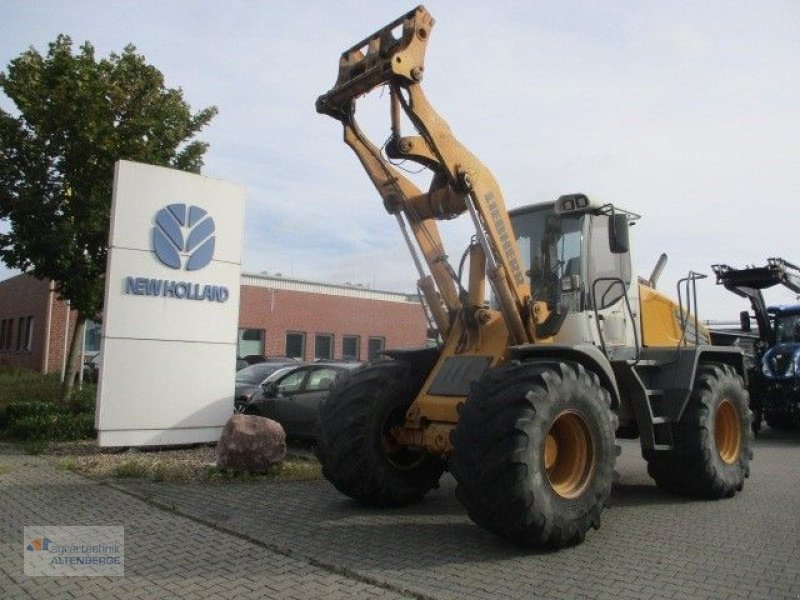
[182,290]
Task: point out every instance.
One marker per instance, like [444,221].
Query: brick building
[277,316]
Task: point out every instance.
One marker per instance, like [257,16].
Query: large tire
[713,440]
[534,452]
[355,447]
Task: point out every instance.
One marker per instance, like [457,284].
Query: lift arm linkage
[394,56]
[749,282]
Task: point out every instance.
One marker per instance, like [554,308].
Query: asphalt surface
[305,540]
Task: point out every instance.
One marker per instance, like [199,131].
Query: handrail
[620,281]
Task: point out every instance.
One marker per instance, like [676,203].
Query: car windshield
[787,329]
[255,374]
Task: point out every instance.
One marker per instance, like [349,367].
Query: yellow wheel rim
[728,432]
[569,457]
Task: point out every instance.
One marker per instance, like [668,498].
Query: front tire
[534,452]
[356,449]
[713,440]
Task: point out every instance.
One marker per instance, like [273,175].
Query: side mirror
[744,320]
[618,234]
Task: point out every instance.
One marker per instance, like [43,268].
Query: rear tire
[357,452]
[534,452]
[713,441]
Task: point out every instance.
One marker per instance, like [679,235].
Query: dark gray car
[249,378]
[292,396]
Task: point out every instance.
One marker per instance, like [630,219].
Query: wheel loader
[525,397]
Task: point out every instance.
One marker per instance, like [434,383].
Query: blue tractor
[774,379]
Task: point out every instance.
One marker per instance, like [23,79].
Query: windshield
[255,374]
[278,374]
[550,246]
[787,329]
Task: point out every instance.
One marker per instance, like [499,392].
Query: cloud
[683,113]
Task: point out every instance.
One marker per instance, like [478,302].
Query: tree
[76,116]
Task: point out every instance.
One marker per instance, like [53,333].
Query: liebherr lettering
[505,239]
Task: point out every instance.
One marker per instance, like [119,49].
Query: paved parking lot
[304,540]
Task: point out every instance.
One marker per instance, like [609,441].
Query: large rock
[250,444]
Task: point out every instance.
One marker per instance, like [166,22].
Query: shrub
[48,421]
[23,385]
[30,409]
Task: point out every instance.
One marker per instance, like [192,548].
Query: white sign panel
[171,308]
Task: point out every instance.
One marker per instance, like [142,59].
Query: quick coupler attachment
[395,52]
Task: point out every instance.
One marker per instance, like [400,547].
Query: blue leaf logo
[184,232]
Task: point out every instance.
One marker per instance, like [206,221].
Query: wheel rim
[397,455]
[728,432]
[569,458]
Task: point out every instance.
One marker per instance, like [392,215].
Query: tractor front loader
[775,378]
[524,399]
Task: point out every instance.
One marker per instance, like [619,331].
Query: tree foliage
[76,116]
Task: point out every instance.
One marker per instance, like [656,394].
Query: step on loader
[524,399]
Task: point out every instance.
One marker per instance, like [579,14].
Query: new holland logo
[183,237]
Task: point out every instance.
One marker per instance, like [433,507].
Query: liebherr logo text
[506,241]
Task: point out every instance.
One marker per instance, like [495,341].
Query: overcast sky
[686,113]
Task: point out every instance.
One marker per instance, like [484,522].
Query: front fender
[587,355]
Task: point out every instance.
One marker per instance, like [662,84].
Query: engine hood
[781,361]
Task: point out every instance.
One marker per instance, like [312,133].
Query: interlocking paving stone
[650,545]
[305,540]
[166,555]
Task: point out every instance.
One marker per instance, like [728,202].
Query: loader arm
[394,56]
[749,282]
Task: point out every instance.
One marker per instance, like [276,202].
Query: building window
[9,333]
[323,346]
[92,336]
[3,334]
[295,344]
[28,337]
[351,347]
[376,345]
[251,342]
[20,333]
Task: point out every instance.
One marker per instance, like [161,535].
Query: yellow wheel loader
[524,399]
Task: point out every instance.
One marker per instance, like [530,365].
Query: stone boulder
[250,444]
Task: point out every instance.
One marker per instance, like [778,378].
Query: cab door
[611,297]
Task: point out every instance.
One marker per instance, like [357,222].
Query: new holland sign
[183,238]
[171,307]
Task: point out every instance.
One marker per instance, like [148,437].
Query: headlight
[765,368]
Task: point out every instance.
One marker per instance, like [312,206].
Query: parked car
[292,396]
[249,378]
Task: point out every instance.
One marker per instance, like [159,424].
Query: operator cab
[787,324]
[576,252]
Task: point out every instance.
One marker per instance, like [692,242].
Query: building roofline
[320,287]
